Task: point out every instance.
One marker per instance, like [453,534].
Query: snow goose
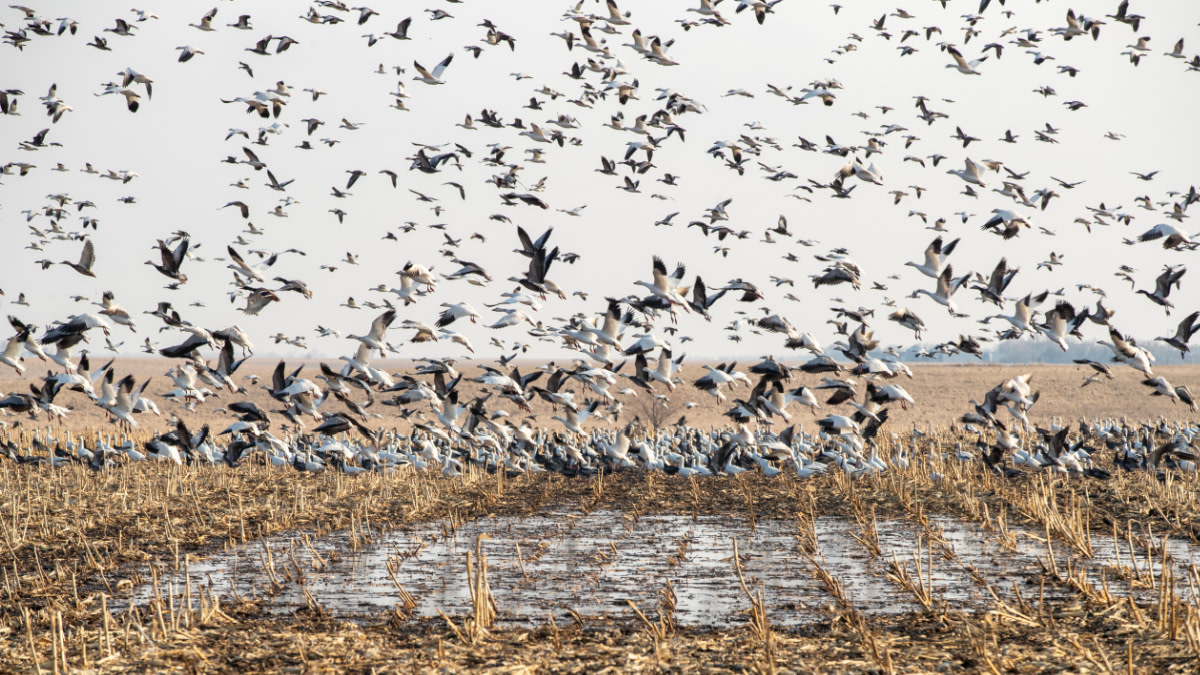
[935,257]
[122,403]
[665,370]
[1161,388]
[662,286]
[1126,351]
[1002,275]
[1173,237]
[238,264]
[946,286]
[962,65]
[1162,287]
[12,350]
[1183,333]
[376,336]
[87,258]
[1021,318]
[804,396]
[1060,322]
[1006,223]
[456,311]
[419,274]
[206,21]
[116,312]
[434,76]
[971,173]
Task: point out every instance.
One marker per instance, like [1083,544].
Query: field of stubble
[940,566]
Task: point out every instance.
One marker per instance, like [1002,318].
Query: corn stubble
[76,543]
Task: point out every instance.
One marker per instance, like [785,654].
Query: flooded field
[160,568]
[558,565]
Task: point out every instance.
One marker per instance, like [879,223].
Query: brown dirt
[942,393]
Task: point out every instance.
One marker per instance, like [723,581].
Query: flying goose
[1162,287]
[663,286]
[116,312]
[254,271]
[971,173]
[1060,322]
[172,260]
[87,258]
[1022,315]
[935,256]
[1173,237]
[946,286]
[1183,333]
[1126,351]
[12,349]
[433,77]
[962,65]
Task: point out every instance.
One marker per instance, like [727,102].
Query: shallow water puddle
[595,563]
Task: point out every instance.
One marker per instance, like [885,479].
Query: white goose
[435,76]
[661,286]
[946,286]
[935,257]
[971,173]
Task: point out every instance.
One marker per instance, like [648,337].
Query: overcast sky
[176,142]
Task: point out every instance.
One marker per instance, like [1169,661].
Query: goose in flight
[935,257]
[971,173]
[206,21]
[665,370]
[116,312]
[172,260]
[252,271]
[1005,223]
[456,311]
[1173,237]
[962,65]
[376,337]
[662,286]
[1161,387]
[946,286]
[1022,316]
[435,76]
[1183,333]
[12,349]
[1162,287]
[87,258]
[1060,322]
[1127,352]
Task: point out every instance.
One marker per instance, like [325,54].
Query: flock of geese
[625,339]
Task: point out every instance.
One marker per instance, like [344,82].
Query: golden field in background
[942,393]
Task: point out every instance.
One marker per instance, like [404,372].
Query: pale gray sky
[175,143]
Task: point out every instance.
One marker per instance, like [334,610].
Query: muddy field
[942,393]
[151,568]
